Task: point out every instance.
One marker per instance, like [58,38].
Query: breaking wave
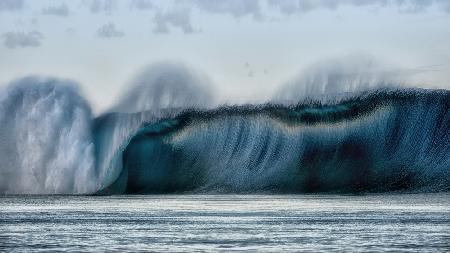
[165,136]
[379,141]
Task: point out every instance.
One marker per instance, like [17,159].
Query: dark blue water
[375,142]
[208,223]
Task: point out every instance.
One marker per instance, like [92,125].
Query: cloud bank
[407,6]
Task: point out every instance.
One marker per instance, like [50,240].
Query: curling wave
[377,141]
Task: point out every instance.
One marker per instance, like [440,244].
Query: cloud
[98,6]
[179,18]
[141,4]
[11,5]
[304,6]
[22,39]
[109,30]
[60,10]
[414,6]
[444,5]
[406,6]
[259,10]
[235,8]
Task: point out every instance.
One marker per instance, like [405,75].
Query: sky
[247,48]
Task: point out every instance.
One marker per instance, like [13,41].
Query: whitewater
[167,136]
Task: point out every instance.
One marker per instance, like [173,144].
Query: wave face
[379,141]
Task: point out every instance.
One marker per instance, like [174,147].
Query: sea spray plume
[338,78]
[166,85]
[45,138]
[160,90]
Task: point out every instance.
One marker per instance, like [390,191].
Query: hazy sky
[248,48]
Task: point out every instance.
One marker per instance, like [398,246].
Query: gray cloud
[235,8]
[97,6]
[141,4]
[254,8]
[60,10]
[407,6]
[22,39]
[444,5]
[304,6]
[11,5]
[179,18]
[109,30]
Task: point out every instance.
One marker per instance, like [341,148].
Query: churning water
[205,223]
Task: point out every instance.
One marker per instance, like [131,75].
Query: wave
[386,140]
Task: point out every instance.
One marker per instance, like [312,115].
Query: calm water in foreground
[178,223]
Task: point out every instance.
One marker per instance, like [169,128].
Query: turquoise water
[206,223]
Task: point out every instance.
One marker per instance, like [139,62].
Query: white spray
[45,138]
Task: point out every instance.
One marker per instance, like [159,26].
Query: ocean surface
[208,223]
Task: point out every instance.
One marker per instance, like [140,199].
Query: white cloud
[109,30]
[22,39]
